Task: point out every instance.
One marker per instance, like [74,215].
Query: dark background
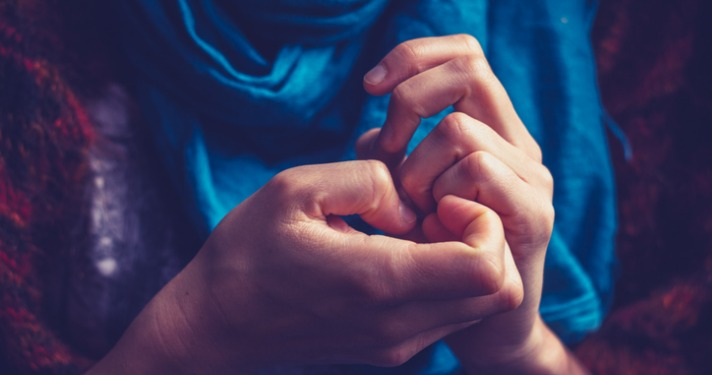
[654,60]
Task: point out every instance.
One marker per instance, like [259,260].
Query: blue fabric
[237,91]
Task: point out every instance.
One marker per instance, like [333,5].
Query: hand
[482,152]
[283,279]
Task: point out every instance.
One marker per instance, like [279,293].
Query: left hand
[482,152]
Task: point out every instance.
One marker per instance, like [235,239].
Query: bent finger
[457,136]
[526,210]
[415,56]
[467,83]
[363,187]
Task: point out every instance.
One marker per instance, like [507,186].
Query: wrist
[541,352]
[172,335]
[141,349]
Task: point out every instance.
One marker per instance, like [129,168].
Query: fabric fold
[236,92]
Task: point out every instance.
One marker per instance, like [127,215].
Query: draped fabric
[237,91]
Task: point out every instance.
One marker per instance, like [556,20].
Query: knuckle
[285,184]
[409,54]
[546,178]
[474,166]
[378,173]
[534,223]
[548,215]
[480,161]
[457,118]
[492,275]
[539,224]
[545,213]
[414,185]
[380,180]
[400,95]
[535,152]
[475,67]
[511,295]
[404,95]
[409,182]
[454,127]
[477,166]
[471,43]
[374,293]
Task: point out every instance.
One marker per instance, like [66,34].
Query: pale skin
[283,280]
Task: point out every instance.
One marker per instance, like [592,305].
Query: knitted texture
[654,61]
[44,134]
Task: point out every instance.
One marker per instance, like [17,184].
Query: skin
[283,280]
[483,153]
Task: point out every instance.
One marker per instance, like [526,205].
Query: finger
[526,211]
[367,148]
[472,266]
[474,223]
[415,56]
[482,177]
[435,231]
[465,82]
[411,319]
[364,144]
[391,270]
[362,188]
[456,136]
[427,321]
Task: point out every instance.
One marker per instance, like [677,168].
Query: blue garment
[237,92]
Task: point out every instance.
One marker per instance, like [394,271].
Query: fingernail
[376,75]
[406,213]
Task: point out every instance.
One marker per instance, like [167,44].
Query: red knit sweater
[44,135]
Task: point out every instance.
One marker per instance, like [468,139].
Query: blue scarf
[237,92]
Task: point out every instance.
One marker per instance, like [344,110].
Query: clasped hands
[284,280]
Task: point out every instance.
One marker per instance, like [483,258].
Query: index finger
[446,270]
[427,75]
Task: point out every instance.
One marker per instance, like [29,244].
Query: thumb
[475,224]
[364,188]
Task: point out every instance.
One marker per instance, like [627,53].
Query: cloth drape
[237,91]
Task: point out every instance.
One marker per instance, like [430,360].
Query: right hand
[482,153]
[283,279]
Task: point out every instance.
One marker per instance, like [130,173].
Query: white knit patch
[106,266]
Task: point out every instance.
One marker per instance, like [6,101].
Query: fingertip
[376,75]
[380,80]
[365,143]
[407,216]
